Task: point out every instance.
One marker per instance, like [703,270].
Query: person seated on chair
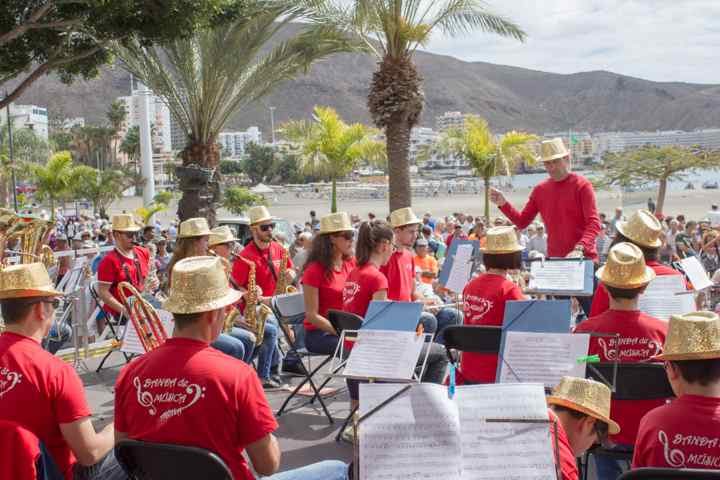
[367,283]
[645,231]
[40,392]
[639,338]
[684,433]
[326,270]
[400,272]
[186,393]
[485,297]
[580,410]
[192,241]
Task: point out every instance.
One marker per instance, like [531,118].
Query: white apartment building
[233,143]
[159,120]
[620,141]
[420,137]
[450,119]
[28,116]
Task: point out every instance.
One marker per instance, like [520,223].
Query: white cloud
[662,40]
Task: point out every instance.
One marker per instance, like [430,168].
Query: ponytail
[370,235]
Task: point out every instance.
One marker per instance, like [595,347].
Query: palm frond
[457,17]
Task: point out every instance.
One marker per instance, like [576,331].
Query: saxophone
[254,317]
[282,287]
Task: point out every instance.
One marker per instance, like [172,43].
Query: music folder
[562,276]
[394,316]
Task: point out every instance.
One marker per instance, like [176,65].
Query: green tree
[231,167]
[27,145]
[164,196]
[487,156]
[146,213]
[61,140]
[259,164]
[54,180]
[393,30]
[116,116]
[208,78]
[130,145]
[70,37]
[100,187]
[239,199]
[651,164]
[329,145]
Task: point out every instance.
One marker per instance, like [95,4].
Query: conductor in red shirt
[187,393]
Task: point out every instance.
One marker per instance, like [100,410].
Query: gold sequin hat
[625,268]
[402,217]
[259,214]
[693,336]
[194,227]
[553,149]
[586,396]
[199,284]
[26,281]
[500,240]
[220,235]
[642,228]
[335,222]
[124,222]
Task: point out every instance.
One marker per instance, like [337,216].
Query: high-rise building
[159,120]
[450,119]
[28,116]
[233,143]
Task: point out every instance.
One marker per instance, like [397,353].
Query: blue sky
[661,40]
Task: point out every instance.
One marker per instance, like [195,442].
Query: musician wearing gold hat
[40,392]
[645,231]
[581,410]
[270,261]
[186,393]
[685,432]
[639,338]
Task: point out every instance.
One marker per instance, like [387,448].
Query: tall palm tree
[209,77]
[487,156]
[53,180]
[116,116]
[393,30]
[331,147]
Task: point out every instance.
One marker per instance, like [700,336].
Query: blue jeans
[326,470]
[446,317]
[59,334]
[248,340]
[229,346]
[609,468]
[268,353]
[317,341]
[106,469]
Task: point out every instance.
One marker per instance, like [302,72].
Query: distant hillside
[508,97]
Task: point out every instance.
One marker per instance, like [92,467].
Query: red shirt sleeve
[590,216]
[108,269]
[601,301]
[524,218]
[313,275]
[120,393]
[256,418]
[640,457]
[70,403]
[240,272]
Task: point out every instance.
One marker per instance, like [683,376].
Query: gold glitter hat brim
[403,216]
[694,336]
[221,235]
[501,240]
[26,281]
[335,223]
[48,291]
[187,305]
[613,427]
[622,227]
[636,282]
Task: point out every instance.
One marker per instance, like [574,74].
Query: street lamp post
[11,151]
[272,123]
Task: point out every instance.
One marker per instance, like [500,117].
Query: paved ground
[305,434]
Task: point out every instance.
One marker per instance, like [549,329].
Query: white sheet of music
[131,340]
[416,436]
[696,273]
[557,275]
[498,451]
[461,268]
[384,354]
[542,357]
[660,301]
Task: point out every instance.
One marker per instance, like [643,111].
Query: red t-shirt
[39,392]
[116,267]
[484,304]
[681,434]
[330,286]
[568,462]
[641,338]
[264,277]
[601,299]
[400,273]
[451,238]
[360,286]
[187,393]
[568,210]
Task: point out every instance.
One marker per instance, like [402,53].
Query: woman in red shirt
[485,297]
[328,266]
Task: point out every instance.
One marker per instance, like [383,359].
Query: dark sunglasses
[267,226]
[346,235]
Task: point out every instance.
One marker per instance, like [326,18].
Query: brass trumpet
[144,317]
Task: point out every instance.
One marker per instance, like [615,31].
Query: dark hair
[650,254]
[370,235]
[504,261]
[183,320]
[573,413]
[703,372]
[183,249]
[15,309]
[148,227]
[627,293]
[321,251]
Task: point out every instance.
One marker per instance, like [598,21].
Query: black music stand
[471,338]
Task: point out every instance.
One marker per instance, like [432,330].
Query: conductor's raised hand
[497,197]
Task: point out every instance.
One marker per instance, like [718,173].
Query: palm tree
[330,146]
[488,157]
[53,180]
[116,116]
[209,77]
[393,30]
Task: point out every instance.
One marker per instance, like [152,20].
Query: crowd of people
[206,385]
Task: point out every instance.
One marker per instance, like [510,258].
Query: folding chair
[110,323]
[670,474]
[628,381]
[471,338]
[155,461]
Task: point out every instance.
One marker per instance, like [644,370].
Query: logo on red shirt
[8,380]
[633,349]
[476,307]
[175,402]
[349,291]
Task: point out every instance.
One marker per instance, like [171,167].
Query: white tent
[261,189]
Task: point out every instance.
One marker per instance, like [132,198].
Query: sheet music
[660,301]
[461,268]
[557,275]
[498,451]
[416,436]
[696,273]
[542,357]
[131,340]
[384,354]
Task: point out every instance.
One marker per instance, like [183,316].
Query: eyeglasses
[55,302]
[267,226]
[349,235]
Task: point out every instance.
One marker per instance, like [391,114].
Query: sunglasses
[267,226]
[346,235]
